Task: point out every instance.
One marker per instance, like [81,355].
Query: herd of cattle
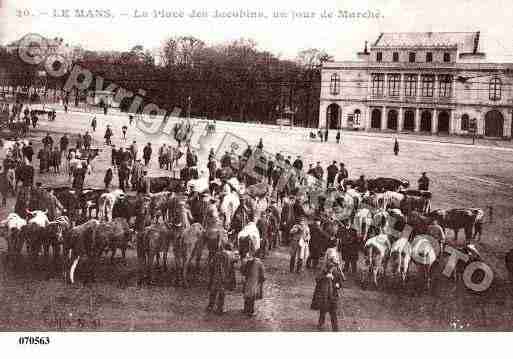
[191,217]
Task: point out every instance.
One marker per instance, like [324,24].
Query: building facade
[419,82]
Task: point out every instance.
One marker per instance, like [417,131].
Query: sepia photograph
[260,167]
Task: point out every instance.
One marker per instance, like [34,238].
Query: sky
[340,37]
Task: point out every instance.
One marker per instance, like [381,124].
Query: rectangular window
[447,57]
[445,87]
[378,84]
[395,57]
[412,57]
[379,56]
[429,57]
[394,84]
[410,86]
[428,84]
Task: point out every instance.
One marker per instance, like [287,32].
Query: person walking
[4,186]
[123,174]
[64,143]
[147,154]
[123,130]
[326,294]
[396,147]
[28,152]
[338,137]
[222,278]
[87,141]
[342,175]
[134,150]
[326,133]
[94,124]
[254,273]
[79,142]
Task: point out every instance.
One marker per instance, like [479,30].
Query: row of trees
[231,81]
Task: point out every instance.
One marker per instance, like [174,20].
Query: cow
[415,203]
[460,218]
[115,234]
[89,199]
[424,252]
[14,225]
[70,200]
[188,244]
[259,190]
[227,208]
[82,241]
[383,184]
[249,240]
[34,232]
[54,235]
[154,240]
[400,257]
[106,204]
[166,183]
[125,207]
[377,251]
[363,222]
[158,205]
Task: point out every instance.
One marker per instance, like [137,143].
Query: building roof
[464,41]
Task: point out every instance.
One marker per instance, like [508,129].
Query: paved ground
[462,176]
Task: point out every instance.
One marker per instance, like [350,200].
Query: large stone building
[419,82]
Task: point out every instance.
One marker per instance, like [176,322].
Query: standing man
[326,294]
[326,133]
[123,174]
[254,273]
[136,175]
[423,182]
[332,171]
[147,154]
[396,147]
[338,137]
[298,164]
[222,278]
[342,175]
[64,143]
[318,171]
[48,141]
[87,141]
[93,124]
[28,152]
[133,150]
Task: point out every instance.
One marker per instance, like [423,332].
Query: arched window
[334,84]
[465,122]
[495,89]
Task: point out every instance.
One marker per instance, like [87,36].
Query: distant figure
[93,124]
[147,154]
[124,129]
[260,145]
[130,119]
[64,143]
[87,141]
[319,133]
[423,182]
[326,133]
[79,142]
[338,136]
[396,147]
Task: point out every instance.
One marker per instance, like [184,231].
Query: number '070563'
[33,340]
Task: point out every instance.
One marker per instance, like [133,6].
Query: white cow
[400,257]
[377,250]
[424,251]
[249,231]
[14,224]
[106,204]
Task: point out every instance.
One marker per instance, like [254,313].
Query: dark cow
[415,203]
[114,235]
[459,218]
[69,198]
[124,207]
[165,183]
[88,200]
[383,184]
[259,190]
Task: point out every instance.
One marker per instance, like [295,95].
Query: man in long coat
[326,295]
[254,273]
[222,278]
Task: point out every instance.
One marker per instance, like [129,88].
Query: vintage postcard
[285,166]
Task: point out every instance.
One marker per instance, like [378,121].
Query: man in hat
[342,174]
[423,182]
[147,154]
[108,135]
[222,278]
[144,183]
[318,242]
[254,274]
[87,140]
[318,171]
[332,171]
[134,150]
[298,164]
[326,294]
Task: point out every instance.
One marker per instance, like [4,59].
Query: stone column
[507,125]
[367,121]
[434,122]
[418,87]
[453,123]
[417,120]
[400,121]
[322,114]
[436,88]
[385,88]
[384,118]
